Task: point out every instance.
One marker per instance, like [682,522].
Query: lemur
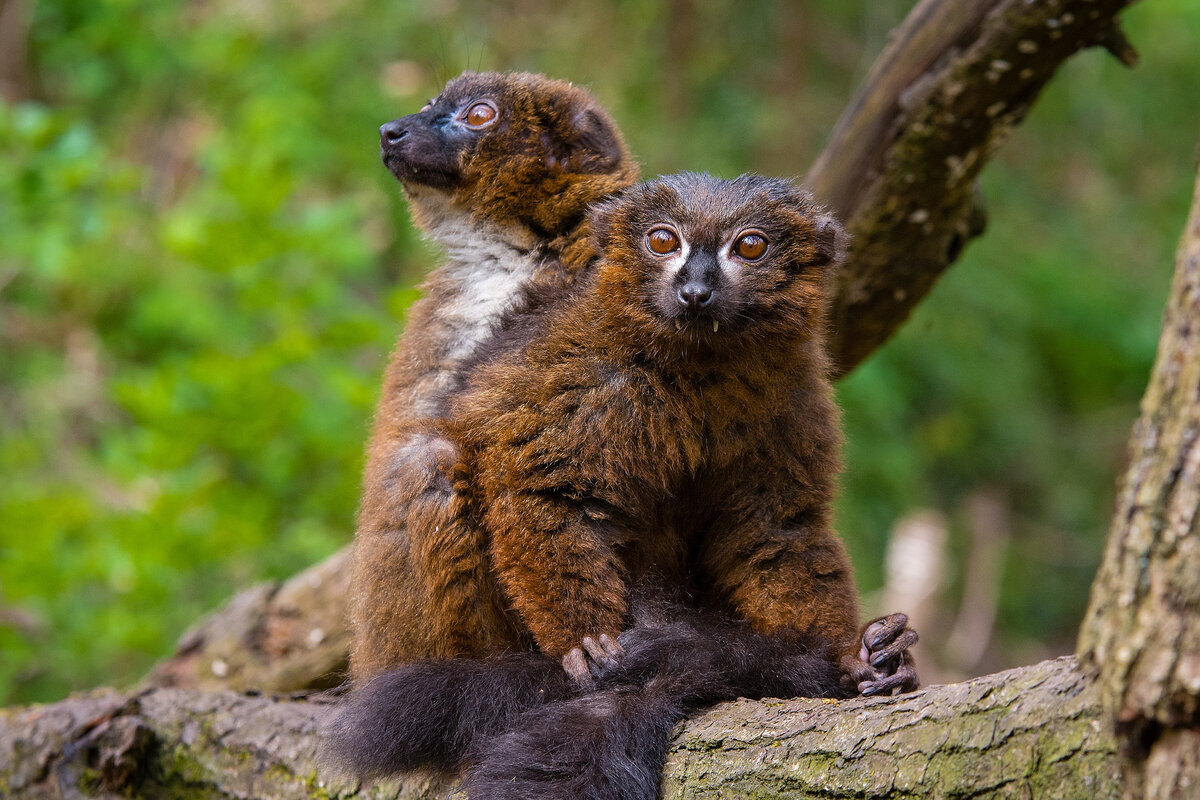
[499,169]
[666,427]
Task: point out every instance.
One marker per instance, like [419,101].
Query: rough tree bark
[273,637]
[1141,636]
[1031,732]
[900,168]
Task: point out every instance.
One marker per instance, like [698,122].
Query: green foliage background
[203,265]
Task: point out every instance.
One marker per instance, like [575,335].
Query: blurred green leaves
[193,323]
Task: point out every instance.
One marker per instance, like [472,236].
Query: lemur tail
[523,730]
[431,713]
[611,744]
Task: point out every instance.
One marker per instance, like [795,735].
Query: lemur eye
[750,246]
[662,241]
[480,115]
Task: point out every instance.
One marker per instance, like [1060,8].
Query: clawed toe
[576,665]
[605,651]
[903,678]
[595,655]
[893,651]
[883,664]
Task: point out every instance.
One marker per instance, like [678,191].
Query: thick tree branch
[1142,630]
[1029,732]
[901,165]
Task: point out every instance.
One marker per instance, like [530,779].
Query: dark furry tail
[432,713]
[700,660]
[607,745]
[610,744]
[524,730]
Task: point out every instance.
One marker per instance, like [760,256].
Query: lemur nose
[392,132]
[695,296]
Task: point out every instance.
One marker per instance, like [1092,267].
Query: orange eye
[750,246]
[662,241]
[480,115]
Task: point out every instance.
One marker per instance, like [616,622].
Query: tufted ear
[601,222]
[596,146]
[830,239]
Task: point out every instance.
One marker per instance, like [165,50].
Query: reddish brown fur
[511,211]
[607,447]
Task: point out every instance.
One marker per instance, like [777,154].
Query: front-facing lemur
[672,421]
[499,169]
[667,427]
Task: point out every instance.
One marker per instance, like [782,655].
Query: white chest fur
[486,269]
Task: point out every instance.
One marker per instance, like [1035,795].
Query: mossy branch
[1035,731]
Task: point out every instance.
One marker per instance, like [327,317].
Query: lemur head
[508,148]
[703,260]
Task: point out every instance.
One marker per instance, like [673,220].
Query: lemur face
[428,148]
[711,258]
[501,127]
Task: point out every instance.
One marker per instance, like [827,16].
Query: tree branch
[275,637]
[901,166]
[15,19]
[999,736]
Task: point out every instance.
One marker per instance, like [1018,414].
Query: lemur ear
[597,145]
[830,239]
[601,219]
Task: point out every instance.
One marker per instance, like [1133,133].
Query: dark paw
[883,664]
[586,662]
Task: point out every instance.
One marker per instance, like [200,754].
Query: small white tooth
[678,325]
[714,326]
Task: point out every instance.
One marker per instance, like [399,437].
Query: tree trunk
[15,19]
[1030,732]
[1141,636]
[900,168]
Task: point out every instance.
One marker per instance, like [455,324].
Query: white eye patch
[673,263]
[729,267]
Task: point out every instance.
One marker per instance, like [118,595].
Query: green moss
[179,764]
[316,788]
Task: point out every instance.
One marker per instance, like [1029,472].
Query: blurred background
[203,266]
